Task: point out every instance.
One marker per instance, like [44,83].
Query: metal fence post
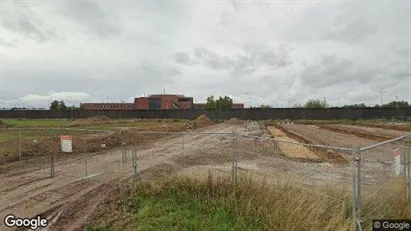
[233,160]
[20,158]
[52,153]
[356,191]
[405,167]
[134,156]
[404,156]
[123,148]
[407,164]
[85,152]
[182,145]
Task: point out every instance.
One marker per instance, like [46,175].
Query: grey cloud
[361,48]
[330,71]
[20,18]
[352,33]
[254,57]
[265,55]
[362,78]
[158,73]
[102,21]
[212,60]
[182,58]
[348,22]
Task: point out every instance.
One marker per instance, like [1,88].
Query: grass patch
[56,123]
[35,123]
[133,124]
[175,211]
[37,129]
[212,204]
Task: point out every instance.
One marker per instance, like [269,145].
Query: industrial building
[164,101]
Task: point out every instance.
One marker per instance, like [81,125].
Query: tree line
[61,106]
[322,103]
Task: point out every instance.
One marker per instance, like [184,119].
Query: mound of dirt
[91,120]
[234,121]
[200,122]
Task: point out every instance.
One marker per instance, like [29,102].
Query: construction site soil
[91,141]
[70,201]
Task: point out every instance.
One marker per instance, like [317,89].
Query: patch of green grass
[132,124]
[35,123]
[98,228]
[177,206]
[213,204]
[26,134]
[175,211]
[49,123]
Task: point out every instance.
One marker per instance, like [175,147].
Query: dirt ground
[291,150]
[69,200]
[372,133]
[377,163]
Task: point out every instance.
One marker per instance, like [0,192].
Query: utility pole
[382,110]
[290,101]
[381,93]
[338,101]
[246,97]
[396,101]
[396,105]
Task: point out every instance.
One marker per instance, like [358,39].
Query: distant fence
[223,114]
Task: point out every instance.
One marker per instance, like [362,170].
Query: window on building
[154,103]
[182,100]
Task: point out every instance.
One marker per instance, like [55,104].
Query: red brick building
[153,102]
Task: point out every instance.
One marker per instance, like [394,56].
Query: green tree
[361,105]
[58,106]
[55,105]
[225,102]
[73,107]
[397,104]
[210,103]
[265,106]
[63,106]
[221,102]
[316,103]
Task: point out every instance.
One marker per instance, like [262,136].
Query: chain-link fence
[376,175]
[381,179]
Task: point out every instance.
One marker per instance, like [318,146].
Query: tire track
[324,154]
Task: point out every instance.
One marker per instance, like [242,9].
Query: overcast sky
[280,53]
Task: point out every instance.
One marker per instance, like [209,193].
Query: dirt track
[27,191]
[320,135]
[372,133]
[376,163]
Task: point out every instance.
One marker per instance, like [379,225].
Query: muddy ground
[69,200]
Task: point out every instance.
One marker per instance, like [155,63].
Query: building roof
[162,95]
